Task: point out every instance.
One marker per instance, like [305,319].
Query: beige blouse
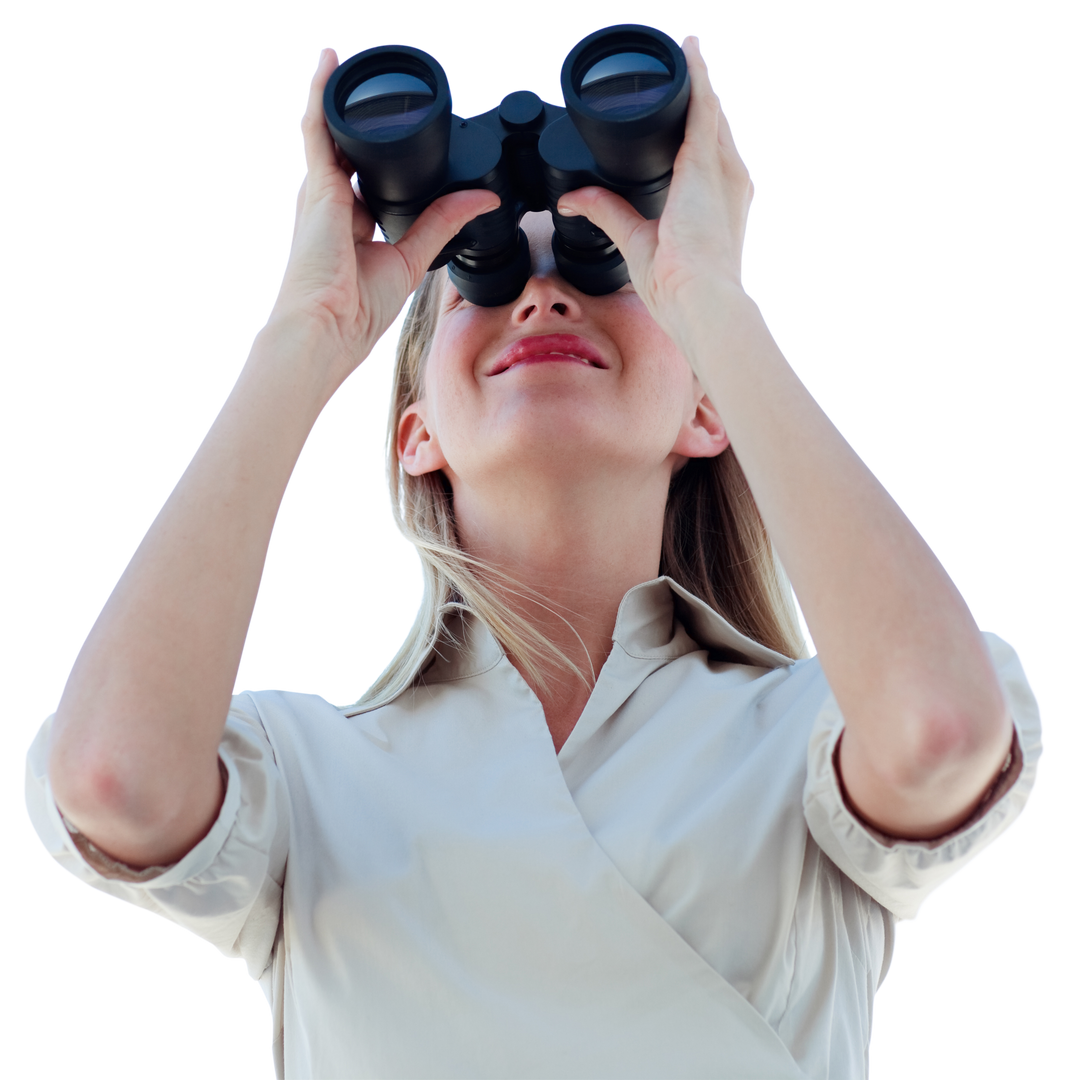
[425,889]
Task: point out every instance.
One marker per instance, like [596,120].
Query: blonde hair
[715,545]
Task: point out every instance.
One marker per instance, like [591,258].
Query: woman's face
[556,380]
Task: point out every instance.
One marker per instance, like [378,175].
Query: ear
[417,445]
[703,434]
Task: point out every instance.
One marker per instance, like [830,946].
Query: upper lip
[546,344]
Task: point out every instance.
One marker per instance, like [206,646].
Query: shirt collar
[658,619]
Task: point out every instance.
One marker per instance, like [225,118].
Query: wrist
[305,352]
[708,312]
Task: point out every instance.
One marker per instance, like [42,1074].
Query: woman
[703,878]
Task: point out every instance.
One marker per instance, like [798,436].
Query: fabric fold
[900,874]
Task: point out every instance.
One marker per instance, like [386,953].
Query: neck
[579,545]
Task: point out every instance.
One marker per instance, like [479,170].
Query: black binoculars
[626,91]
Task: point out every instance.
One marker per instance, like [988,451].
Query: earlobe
[417,445]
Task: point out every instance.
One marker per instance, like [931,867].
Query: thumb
[439,223]
[628,230]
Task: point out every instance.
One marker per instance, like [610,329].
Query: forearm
[926,723]
[137,731]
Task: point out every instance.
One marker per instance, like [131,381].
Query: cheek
[450,389]
[635,330]
[461,337]
[658,367]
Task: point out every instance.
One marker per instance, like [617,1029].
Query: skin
[926,724]
[927,728]
[560,472]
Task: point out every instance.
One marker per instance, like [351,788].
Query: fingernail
[565,211]
[322,56]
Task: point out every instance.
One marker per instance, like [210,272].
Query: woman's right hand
[338,275]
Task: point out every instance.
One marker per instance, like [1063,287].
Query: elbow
[946,747]
[140,815]
[118,802]
[88,785]
[918,772]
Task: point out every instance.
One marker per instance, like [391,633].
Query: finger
[318,143]
[704,118]
[438,224]
[701,81]
[708,106]
[611,213]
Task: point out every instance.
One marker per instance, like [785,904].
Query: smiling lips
[565,348]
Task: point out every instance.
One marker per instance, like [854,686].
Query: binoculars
[626,92]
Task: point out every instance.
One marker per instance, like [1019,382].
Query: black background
[154,188]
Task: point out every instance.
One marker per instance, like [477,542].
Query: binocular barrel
[626,92]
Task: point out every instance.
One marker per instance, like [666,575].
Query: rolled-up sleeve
[899,874]
[227,889]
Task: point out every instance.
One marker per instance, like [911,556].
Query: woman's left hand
[696,245]
[926,726]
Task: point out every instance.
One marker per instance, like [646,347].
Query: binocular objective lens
[624,84]
[388,104]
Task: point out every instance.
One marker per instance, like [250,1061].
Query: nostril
[560,309]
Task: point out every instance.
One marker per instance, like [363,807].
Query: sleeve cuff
[899,874]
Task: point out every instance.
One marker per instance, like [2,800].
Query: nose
[546,296]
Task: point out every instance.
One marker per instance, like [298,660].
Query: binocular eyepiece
[626,91]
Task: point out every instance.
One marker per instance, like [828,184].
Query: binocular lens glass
[624,84]
[388,104]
